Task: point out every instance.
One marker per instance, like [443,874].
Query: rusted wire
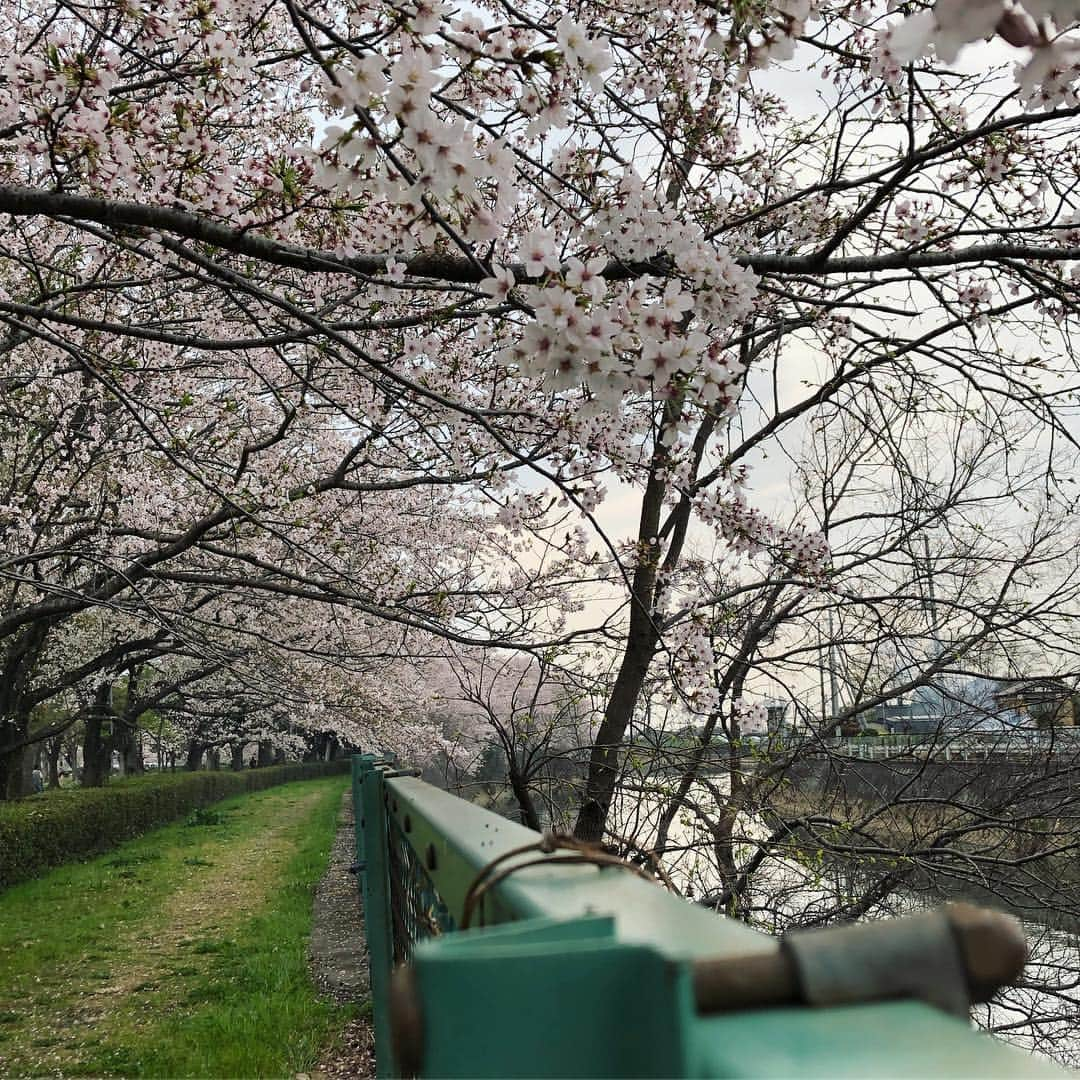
[548,845]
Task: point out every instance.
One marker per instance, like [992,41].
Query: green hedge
[59,826]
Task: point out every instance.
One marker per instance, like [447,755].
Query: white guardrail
[1020,743]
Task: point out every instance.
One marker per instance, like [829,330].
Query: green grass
[182,953]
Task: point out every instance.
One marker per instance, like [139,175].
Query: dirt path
[231,890]
[339,964]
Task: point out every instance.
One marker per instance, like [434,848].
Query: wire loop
[548,846]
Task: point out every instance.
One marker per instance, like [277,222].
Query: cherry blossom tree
[281,278]
[536,714]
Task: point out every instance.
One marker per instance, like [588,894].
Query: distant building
[775,712]
[984,704]
[922,711]
[1041,701]
[903,718]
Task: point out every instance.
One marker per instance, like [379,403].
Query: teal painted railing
[573,968]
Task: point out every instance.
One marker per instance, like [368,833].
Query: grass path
[182,953]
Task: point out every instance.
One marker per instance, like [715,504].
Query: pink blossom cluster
[693,663]
[751,719]
[749,532]
[1047,79]
[975,295]
[781,25]
[613,338]
[67,102]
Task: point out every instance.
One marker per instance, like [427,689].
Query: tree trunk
[195,753]
[97,745]
[237,749]
[520,788]
[95,767]
[724,853]
[641,640]
[128,742]
[131,755]
[604,758]
[52,755]
[17,662]
[12,774]
[266,754]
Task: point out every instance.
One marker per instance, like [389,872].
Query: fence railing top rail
[456,840]
[570,968]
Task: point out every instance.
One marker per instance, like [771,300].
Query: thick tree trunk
[128,742]
[195,753]
[13,774]
[724,853]
[132,756]
[641,642]
[97,745]
[237,749]
[526,806]
[642,635]
[96,758]
[17,662]
[604,758]
[26,772]
[17,764]
[266,754]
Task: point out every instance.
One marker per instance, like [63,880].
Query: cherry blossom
[367,316]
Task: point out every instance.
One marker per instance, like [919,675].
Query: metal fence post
[378,924]
[358,819]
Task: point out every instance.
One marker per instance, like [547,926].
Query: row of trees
[425,377]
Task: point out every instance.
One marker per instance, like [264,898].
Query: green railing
[494,953]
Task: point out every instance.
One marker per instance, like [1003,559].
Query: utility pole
[821,672]
[834,697]
[930,607]
[930,599]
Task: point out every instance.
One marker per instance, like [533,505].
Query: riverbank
[940,850]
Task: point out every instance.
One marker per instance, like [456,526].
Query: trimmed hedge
[46,830]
